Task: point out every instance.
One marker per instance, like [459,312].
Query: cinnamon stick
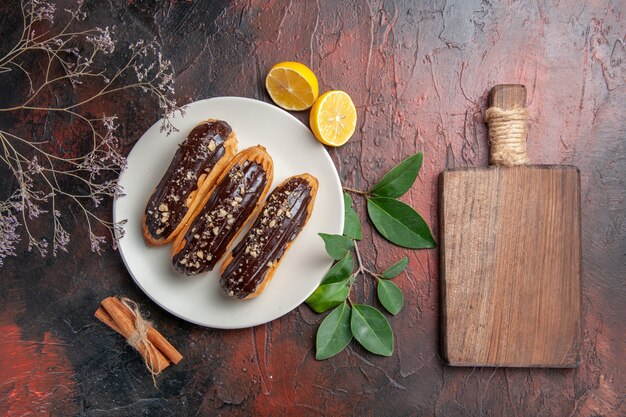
[126,327]
[103,316]
[154,336]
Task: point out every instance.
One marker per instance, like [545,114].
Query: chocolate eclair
[198,162]
[251,265]
[220,217]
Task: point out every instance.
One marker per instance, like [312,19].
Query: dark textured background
[419,74]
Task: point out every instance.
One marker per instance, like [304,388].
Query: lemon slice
[333,118]
[292,85]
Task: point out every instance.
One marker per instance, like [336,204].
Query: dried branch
[40,174]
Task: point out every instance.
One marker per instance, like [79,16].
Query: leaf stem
[358,259]
[361,267]
[359,192]
[372,273]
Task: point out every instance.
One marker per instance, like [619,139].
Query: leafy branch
[397,222]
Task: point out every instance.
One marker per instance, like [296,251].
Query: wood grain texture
[511,266]
[508,96]
[419,74]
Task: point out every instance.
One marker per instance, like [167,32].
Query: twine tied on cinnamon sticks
[123,316]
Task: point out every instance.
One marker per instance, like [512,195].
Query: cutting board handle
[507,119]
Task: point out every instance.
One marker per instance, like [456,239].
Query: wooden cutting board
[511,255]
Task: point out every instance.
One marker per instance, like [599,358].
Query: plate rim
[335,176]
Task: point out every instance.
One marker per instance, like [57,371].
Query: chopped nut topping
[242,190]
[234,203]
[216,231]
[211,145]
[175,198]
[222,213]
[163,207]
[159,231]
[238,199]
[270,264]
[230,221]
[183,261]
[200,254]
[288,214]
[280,211]
[273,223]
[196,236]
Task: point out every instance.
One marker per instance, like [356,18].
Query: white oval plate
[199,299]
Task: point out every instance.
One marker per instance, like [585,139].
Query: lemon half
[333,118]
[292,86]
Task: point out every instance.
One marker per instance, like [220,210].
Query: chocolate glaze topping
[280,222]
[228,207]
[198,154]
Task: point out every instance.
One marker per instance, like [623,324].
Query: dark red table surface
[419,75]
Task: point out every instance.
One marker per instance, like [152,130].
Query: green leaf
[399,179]
[395,269]
[399,223]
[390,296]
[371,329]
[340,271]
[334,333]
[352,223]
[335,286]
[336,245]
[327,296]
